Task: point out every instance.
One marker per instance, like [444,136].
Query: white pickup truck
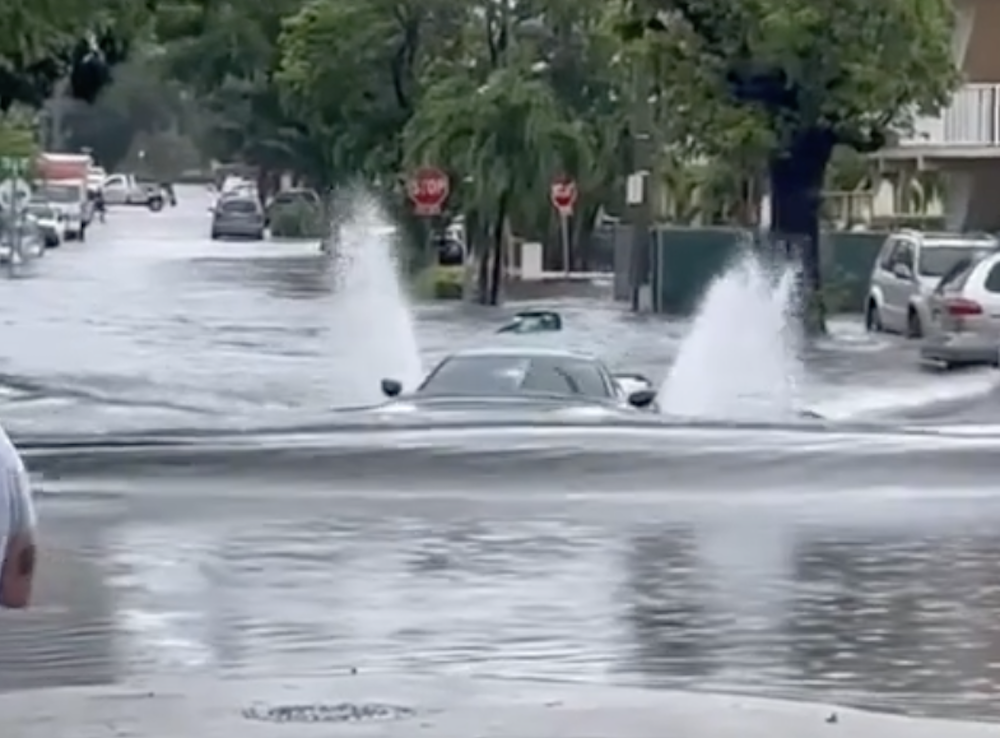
[125,189]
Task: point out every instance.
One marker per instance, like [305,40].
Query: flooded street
[859,566]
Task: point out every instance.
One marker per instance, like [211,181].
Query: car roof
[527,352]
[933,238]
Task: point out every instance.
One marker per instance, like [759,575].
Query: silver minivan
[907,270]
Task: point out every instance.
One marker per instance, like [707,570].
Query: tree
[77,41]
[226,55]
[509,138]
[354,70]
[139,101]
[789,80]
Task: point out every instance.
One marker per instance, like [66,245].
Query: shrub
[440,283]
[297,220]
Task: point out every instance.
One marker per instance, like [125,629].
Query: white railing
[972,119]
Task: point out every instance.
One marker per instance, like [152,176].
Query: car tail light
[959,307]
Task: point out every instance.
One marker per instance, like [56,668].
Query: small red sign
[428,188]
[563,195]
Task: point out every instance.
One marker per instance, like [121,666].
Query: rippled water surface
[845,564]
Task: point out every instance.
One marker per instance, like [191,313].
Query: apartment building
[963,142]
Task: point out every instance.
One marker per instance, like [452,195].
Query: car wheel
[913,327]
[873,319]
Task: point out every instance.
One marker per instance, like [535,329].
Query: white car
[46,219]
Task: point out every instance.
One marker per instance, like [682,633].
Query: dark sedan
[498,377]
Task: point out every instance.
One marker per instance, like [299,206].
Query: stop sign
[563,195]
[428,188]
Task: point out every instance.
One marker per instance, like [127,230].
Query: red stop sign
[563,195]
[428,188]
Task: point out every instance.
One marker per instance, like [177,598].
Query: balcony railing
[971,120]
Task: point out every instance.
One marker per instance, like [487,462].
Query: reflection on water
[759,602]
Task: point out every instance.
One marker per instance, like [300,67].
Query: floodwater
[856,563]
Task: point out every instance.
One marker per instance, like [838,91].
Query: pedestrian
[17,528]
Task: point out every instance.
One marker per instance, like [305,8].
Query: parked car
[964,327]
[20,238]
[125,189]
[238,217]
[295,196]
[69,200]
[47,220]
[908,269]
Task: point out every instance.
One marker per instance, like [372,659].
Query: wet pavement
[848,564]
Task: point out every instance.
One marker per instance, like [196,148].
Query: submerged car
[535,376]
[533,321]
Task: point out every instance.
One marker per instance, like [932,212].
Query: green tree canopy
[75,40]
[791,80]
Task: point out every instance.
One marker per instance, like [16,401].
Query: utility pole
[640,187]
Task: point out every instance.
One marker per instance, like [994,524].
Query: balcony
[969,126]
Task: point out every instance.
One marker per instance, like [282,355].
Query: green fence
[686,260]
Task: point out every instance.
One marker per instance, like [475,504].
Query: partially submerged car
[533,321]
[500,376]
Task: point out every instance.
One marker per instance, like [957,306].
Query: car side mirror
[391,388]
[642,398]
[902,271]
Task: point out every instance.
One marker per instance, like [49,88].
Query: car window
[238,206]
[41,211]
[547,377]
[588,378]
[888,253]
[936,261]
[476,375]
[513,375]
[61,193]
[955,278]
[993,279]
[904,255]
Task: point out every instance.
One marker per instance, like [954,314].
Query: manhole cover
[343,712]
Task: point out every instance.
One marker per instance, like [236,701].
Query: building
[963,142]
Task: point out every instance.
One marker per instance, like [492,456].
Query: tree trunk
[583,236]
[796,177]
[498,244]
[483,278]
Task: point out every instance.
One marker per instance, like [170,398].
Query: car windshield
[293,196]
[40,211]
[493,376]
[938,260]
[60,193]
[238,206]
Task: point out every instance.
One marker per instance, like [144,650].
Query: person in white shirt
[17,528]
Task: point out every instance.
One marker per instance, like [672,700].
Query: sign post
[14,192]
[563,196]
[428,189]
